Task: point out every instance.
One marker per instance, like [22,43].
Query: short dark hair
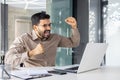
[38,16]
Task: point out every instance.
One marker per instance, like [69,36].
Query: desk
[104,73]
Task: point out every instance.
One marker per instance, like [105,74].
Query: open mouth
[46,33]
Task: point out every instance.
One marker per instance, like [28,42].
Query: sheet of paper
[29,73]
[35,72]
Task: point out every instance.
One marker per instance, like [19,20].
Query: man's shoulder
[24,35]
[55,35]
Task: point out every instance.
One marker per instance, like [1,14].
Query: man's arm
[16,54]
[74,40]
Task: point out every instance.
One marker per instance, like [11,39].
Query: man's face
[43,28]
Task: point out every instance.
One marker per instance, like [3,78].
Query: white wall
[13,14]
[113,33]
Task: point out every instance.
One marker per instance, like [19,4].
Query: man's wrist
[30,53]
[74,26]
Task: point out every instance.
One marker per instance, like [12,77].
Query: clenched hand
[37,50]
[71,21]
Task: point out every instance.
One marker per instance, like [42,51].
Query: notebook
[92,58]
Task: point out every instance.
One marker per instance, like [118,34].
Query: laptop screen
[92,57]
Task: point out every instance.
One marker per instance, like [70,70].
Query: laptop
[92,58]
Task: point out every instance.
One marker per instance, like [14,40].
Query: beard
[44,35]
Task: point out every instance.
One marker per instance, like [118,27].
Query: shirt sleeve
[16,54]
[72,41]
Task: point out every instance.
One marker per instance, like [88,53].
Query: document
[30,73]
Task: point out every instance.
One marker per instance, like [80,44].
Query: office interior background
[98,21]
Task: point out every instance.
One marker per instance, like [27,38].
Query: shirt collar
[34,35]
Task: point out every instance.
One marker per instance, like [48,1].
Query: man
[38,48]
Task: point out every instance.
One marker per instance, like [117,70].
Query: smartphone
[60,72]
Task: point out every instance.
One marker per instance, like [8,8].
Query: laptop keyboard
[73,68]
